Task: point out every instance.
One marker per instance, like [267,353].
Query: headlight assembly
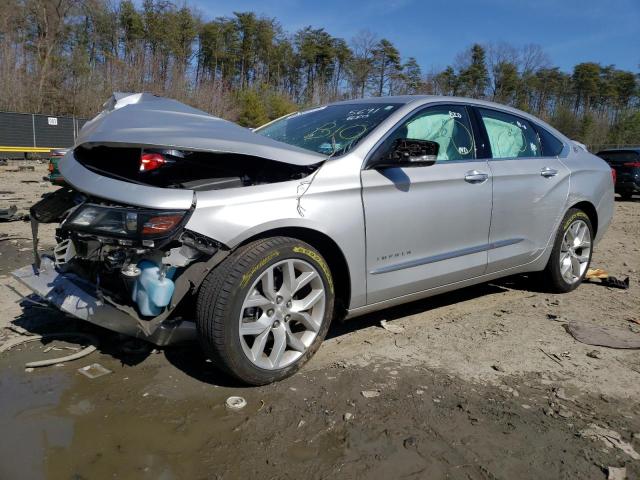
[125,222]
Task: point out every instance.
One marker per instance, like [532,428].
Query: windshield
[329,130]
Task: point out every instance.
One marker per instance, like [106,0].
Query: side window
[551,146]
[510,136]
[448,125]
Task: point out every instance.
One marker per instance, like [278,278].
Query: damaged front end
[125,258]
[121,267]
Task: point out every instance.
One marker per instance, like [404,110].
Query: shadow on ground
[634,199]
[39,319]
[189,357]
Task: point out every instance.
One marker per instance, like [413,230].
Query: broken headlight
[124,222]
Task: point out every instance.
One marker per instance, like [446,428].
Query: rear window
[619,157]
[551,146]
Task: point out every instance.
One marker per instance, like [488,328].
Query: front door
[529,191]
[427,226]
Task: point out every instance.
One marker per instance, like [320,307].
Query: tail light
[613,176]
[632,164]
[51,167]
[151,161]
[161,224]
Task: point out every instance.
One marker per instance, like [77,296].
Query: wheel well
[590,210]
[329,250]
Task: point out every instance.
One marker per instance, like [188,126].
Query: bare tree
[499,54]
[363,46]
[532,58]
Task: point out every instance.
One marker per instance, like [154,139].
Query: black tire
[551,276]
[626,196]
[221,297]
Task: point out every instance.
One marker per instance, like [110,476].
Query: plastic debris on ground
[610,438]
[391,328]
[616,473]
[370,393]
[236,403]
[95,370]
[605,279]
[67,358]
[91,340]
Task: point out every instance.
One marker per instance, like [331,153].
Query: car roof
[407,99]
[426,99]
[390,99]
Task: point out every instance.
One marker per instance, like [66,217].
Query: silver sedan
[178,225]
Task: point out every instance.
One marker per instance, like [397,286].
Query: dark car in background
[55,176]
[626,164]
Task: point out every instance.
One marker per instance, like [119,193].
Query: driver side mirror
[408,152]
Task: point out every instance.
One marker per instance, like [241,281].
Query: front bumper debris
[78,298]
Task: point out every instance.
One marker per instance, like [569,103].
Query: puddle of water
[137,422]
[152,420]
[29,429]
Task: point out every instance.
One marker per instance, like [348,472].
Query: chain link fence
[24,133]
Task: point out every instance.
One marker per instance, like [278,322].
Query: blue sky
[570,31]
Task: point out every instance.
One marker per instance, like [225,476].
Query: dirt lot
[481,383]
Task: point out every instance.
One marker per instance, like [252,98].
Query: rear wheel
[265,310]
[571,254]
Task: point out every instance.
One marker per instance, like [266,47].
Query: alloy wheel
[282,314]
[575,251]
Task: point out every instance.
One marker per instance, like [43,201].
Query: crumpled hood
[144,119]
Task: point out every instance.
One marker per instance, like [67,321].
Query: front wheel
[264,311]
[571,254]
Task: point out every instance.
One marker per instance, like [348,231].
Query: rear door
[530,189]
[427,226]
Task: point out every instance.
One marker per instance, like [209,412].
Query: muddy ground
[480,383]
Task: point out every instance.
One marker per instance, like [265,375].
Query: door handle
[548,172]
[474,176]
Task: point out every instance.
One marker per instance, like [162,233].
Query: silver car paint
[405,210]
[591,182]
[91,183]
[147,120]
[335,202]
[527,214]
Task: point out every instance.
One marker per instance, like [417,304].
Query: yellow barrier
[28,149]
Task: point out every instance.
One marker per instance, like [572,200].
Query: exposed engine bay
[132,255]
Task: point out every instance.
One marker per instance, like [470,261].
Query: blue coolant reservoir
[152,291]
